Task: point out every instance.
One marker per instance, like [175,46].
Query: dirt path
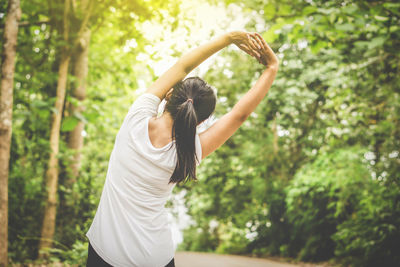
[198,259]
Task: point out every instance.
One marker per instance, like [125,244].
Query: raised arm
[225,127]
[192,59]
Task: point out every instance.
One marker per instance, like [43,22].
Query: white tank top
[131,225]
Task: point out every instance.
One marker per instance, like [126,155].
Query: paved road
[198,259]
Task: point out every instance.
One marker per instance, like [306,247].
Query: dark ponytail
[184,133]
[191,102]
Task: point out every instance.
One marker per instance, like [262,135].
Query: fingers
[255,45]
[267,49]
[252,43]
[261,39]
[250,51]
[246,49]
[259,42]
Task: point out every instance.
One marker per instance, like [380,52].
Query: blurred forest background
[313,175]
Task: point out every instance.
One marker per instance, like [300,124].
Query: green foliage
[199,239]
[370,237]
[321,196]
[110,92]
[323,182]
[313,173]
[76,255]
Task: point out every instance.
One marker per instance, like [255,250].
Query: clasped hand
[253,44]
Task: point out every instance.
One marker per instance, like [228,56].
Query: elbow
[184,69]
[241,117]
[239,114]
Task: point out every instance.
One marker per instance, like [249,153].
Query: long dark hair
[191,102]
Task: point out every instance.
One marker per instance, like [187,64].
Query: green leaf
[270,35]
[91,116]
[394,7]
[361,44]
[318,46]
[69,123]
[43,113]
[309,10]
[269,10]
[54,110]
[347,27]
[284,9]
[80,116]
[391,5]
[350,9]
[377,41]
[37,103]
[380,18]
[326,11]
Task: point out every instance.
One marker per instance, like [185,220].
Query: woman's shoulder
[145,104]
[144,107]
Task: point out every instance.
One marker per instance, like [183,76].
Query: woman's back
[131,223]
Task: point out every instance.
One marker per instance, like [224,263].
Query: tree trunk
[6,103]
[49,219]
[80,70]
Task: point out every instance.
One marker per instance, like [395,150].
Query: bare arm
[226,126]
[192,59]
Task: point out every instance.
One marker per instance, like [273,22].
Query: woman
[152,154]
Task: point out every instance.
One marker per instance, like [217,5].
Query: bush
[321,196]
[371,236]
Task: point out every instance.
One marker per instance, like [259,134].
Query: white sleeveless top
[131,226]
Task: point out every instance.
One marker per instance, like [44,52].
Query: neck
[166,120]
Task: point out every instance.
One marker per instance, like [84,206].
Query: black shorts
[94,260]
